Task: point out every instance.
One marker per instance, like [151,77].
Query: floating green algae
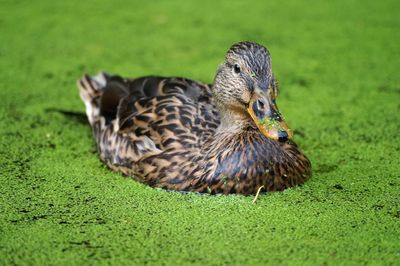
[339,89]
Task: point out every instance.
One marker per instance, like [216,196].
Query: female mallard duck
[180,134]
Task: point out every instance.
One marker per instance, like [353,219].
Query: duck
[179,134]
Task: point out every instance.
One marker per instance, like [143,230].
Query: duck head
[245,90]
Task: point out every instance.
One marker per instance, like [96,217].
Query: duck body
[172,133]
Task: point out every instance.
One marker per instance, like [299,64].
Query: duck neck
[236,129]
[234,121]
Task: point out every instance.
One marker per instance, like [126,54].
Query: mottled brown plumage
[180,134]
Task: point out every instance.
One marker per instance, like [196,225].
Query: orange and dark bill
[267,117]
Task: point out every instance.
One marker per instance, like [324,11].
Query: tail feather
[90,90]
[102,95]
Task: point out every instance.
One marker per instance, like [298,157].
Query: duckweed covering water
[337,64]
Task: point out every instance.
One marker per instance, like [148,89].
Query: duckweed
[339,86]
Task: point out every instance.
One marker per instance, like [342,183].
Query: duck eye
[236,68]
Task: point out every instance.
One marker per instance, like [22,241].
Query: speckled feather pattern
[166,132]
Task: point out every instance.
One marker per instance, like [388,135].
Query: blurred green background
[338,66]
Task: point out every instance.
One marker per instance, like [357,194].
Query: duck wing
[172,112]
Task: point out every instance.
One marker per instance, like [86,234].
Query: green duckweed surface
[338,66]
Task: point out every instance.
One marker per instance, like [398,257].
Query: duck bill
[269,121]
